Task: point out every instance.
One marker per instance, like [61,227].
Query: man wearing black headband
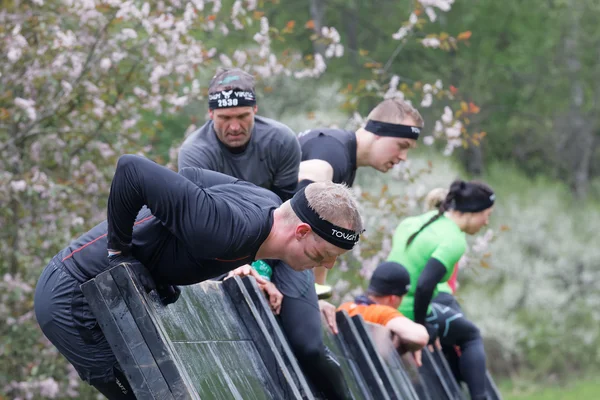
[185,228]
[392,129]
[239,143]
[388,285]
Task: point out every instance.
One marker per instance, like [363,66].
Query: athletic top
[335,146]
[374,313]
[197,224]
[442,240]
[271,159]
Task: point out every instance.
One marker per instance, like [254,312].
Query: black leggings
[119,389]
[301,322]
[454,329]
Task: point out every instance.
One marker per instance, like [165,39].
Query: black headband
[474,204]
[231,98]
[394,130]
[337,236]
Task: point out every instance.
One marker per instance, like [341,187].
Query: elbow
[127,161]
[422,338]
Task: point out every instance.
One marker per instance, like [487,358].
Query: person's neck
[379,300]
[373,298]
[363,147]
[272,247]
[455,217]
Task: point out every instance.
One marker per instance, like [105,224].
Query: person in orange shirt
[388,285]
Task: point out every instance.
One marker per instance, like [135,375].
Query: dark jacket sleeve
[184,208]
[432,275]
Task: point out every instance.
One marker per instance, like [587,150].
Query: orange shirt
[374,313]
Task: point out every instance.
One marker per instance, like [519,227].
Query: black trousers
[67,321]
[454,329]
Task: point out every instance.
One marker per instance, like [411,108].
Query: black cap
[390,278]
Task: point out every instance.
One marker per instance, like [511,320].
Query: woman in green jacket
[429,246]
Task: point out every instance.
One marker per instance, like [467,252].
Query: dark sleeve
[432,275]
[301,322]
[204,178]
[327,149]
[303,184]
[285,193]
[192,154]
[184,208]
[286,174]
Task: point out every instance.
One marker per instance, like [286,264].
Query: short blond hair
[395,111]
[333,202]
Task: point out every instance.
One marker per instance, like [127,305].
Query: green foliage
[576,389]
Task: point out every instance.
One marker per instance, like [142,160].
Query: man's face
[389,151]
[309,251]
[233,125]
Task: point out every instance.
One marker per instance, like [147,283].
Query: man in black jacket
[185,228]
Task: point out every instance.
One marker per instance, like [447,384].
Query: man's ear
[302,230]
[211,113]
[255,108]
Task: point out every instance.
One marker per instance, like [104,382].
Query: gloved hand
[141,272]
[168,293]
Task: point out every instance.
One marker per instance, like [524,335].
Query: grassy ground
[584,389]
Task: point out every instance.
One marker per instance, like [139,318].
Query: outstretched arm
[413,336]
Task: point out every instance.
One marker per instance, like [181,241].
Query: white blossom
[443,5]
[105,63]
[128,33]
[448,116]
[402,32]
[431,14]
[431,42]
[18,186]
[427,100]
[67,87]
[28,105]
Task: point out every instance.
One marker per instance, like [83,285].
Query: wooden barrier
[221,341]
